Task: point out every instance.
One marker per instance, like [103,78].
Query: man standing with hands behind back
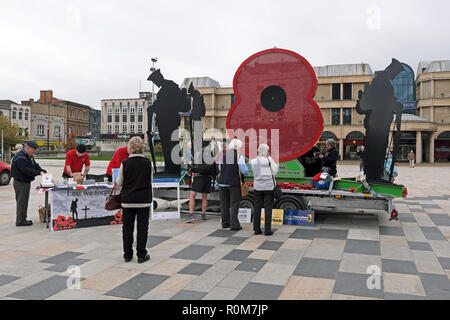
[24,169]
[75,159]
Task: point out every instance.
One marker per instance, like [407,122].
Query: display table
[79,206]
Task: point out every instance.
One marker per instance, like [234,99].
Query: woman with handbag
[231,182]
[264,169]
[135,178]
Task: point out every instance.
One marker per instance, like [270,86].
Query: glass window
[20,114]
[336,116]
[132,128]
[132,110]
[124,118]
[117,110]
[14,112]
[116,128]
[40,130]
[336,91]
[124,110]
[56,131]
[347,91]
[109,128]
[347,116]
[26,114]
[124,128]
[109,110]
[139,128]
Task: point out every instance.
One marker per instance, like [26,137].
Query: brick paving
[201,261]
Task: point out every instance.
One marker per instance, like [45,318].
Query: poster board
[245,215]
[170,209]
[277,217]
[80,207]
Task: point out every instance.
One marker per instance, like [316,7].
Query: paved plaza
[202,261]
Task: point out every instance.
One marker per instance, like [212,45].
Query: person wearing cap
[120,155]
[329,158]
[75,159]
[24,169]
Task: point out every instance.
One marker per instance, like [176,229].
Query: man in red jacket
[75,160]
[120,155]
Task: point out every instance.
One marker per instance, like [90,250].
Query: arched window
[14,113]
[328,135]
[355,135]
[20,114]
[27,114]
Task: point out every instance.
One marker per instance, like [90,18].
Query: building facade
[433,103]
[19,115]
[47,124]
[5,108]
[122,119]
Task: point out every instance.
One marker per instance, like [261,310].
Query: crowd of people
[225,166]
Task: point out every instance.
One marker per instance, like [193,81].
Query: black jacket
[329,160]
[229,173]
[24,168]
[137,181]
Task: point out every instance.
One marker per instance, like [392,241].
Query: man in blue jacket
[24,169]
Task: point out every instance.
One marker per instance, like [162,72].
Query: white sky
[86,51]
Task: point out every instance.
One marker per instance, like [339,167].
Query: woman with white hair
[232,169]
[135,178]
[264,170]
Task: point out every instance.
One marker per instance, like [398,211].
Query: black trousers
[22,191]
[230,198]
[263,199]
[128,217]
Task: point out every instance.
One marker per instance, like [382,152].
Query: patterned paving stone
[273,273]
[391,231]
[192,252]
[259,291]
[332,234]
[237,279]
[362,247]
[189,295]
[251,265]
[270,245]
[42,290]
[419,246]
[237,255]
[317,268]
[5,279]
[303,234]
[437,287]
[445,262]
[358,263]
[138,286]
[61,257]
[153,241]
[235,240]
[355,284]
[403,284]
[398,266]
[440,219]
[325,249]
[222,293]
[195,268]
[433,233]
[305,288]
[224,233]
[64,266]
[396,296]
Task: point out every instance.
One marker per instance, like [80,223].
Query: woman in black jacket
[329,158]
[135,178]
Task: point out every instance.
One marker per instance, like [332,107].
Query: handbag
[277,192]
[244,186]
[113,201]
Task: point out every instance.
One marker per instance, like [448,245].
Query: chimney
[46,96]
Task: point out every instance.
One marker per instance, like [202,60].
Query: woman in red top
[120,155]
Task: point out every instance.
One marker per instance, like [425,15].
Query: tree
[71,142]
[10,136]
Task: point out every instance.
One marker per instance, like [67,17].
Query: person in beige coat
[411,158]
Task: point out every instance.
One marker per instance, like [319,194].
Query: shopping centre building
[425,98]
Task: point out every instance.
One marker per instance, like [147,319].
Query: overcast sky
[86,51]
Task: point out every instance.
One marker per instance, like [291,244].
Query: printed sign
[163,209]
[245,215]
[300,218]
[78,208]
[277,217]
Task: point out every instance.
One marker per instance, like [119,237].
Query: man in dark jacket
[24,169]
[329,158]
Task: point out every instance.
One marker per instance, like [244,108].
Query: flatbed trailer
[327,201]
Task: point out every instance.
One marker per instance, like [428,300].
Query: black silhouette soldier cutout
[197,112]
[378,103]
[169,103]
[73,209]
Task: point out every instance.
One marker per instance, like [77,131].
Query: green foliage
[10,136]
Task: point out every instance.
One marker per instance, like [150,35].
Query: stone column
[418,147]
[431,149]
[341,149]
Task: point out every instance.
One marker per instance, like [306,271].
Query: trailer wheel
[288,202]
[247,202]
